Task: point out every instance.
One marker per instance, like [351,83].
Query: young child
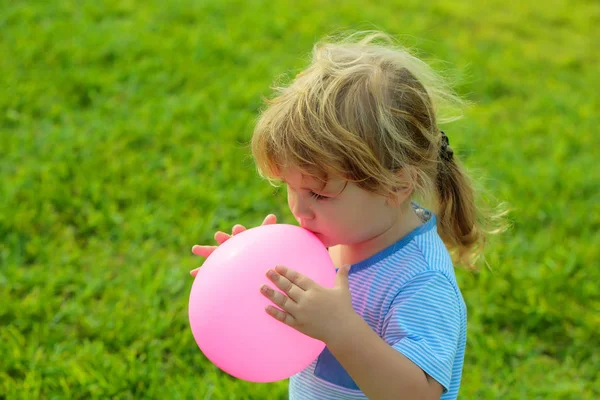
[355,138]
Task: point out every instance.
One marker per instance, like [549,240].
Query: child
[355,138]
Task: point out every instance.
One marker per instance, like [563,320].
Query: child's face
[345,215]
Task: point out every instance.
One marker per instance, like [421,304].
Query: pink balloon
[227,311]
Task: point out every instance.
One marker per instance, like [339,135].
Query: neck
[406,222]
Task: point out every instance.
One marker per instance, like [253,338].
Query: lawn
[123,142]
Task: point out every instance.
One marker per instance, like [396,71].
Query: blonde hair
[364,109]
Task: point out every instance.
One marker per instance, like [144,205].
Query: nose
[302,213]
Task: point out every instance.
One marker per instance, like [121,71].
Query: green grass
[122,143]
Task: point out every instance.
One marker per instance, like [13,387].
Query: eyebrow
[308,188]
[329,193]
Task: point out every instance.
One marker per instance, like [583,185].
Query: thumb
[342,275]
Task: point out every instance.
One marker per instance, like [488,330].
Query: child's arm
[380,371]
[421,325]
[415,356]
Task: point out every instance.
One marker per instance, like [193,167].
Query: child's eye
[318,196]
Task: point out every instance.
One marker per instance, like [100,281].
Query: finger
[341,279]
[283,283]
[302,281]
[278,298]
[281,316]
[221,237]
[203,251]
[194,272]
[237,229]
[270,219]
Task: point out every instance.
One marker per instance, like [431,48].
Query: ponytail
[460,220]
[457,212]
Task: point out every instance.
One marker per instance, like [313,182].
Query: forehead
[297,178]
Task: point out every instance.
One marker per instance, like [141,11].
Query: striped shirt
[408,294]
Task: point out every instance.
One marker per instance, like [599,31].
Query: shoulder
[425,257]
[431,285]
[426,271]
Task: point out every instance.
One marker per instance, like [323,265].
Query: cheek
[338,223]
[347,226]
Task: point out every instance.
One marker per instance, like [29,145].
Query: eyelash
[318,196]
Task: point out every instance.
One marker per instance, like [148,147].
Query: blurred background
[123,142]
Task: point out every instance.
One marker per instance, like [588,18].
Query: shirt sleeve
[424,323]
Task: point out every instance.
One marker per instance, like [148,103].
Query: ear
[406,187]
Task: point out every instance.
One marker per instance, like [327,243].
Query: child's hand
[222,237]
[319,312]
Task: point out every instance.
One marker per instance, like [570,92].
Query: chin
[322,238]
[328,242]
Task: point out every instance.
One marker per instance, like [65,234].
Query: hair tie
[446,151]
